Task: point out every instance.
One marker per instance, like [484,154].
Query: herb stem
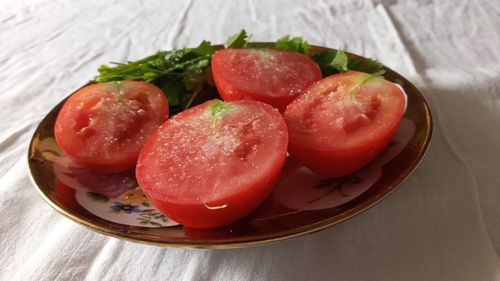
[191,99]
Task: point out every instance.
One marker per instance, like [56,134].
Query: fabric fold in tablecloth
[441,224]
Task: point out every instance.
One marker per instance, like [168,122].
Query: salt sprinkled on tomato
[272,76]
[214,163]
[104,126]
[343,122]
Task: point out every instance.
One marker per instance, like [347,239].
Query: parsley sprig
[331,61]
[182,73]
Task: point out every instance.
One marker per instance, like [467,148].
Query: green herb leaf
[367,65]
[174,89]
[238,40]
[194,78]
[325,62]
[332,61]
[195,75]
[204,49]
[340,61]
[336,61]
[296,44]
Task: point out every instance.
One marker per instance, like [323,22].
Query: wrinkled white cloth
[442,224]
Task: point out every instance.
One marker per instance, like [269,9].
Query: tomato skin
[333,150]
[219,213]
[342,162]
[104,126]
[201,189]
[272,76]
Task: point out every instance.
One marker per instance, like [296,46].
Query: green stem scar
[363,81]
[219,108]
[118,88]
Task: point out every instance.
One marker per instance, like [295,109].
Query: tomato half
[272,76]
[212,164]
[343,122]
[104,126]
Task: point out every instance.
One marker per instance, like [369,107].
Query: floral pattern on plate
[113,197]
[130,208]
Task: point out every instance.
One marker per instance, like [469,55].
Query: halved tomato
[212,164]
[104,126]
[343,122]
[272,76]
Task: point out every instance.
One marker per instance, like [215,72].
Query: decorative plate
[301,202]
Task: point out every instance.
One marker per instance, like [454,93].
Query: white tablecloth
[442,224]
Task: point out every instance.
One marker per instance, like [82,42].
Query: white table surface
[442,224]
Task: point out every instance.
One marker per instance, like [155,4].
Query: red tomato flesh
[212,164]
[104,126]
[343,122]
[272,76]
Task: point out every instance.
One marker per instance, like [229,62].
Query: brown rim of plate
[43,188]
